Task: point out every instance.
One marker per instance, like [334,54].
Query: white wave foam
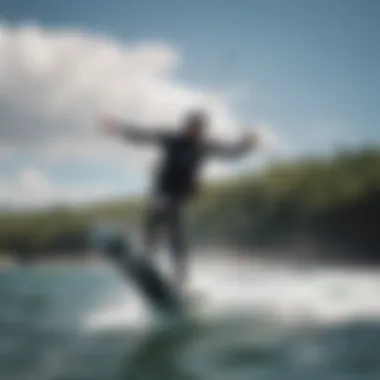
[317,295]
[125,312]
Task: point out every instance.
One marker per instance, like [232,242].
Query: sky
[305,75]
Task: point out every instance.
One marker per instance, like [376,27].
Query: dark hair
[195,117]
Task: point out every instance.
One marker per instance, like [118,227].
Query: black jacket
[178,174]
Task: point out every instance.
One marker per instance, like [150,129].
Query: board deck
[147,279]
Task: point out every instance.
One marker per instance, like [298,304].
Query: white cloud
[32,180]
[55,84]
[24,187]
[30,188]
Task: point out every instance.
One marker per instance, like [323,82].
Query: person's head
[195,124]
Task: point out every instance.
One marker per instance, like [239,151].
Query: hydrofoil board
[146,278]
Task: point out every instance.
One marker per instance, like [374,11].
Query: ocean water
[252,321]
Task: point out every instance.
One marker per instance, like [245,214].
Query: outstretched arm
[231,151]
[134,133]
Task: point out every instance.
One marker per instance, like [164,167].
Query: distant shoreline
[7,261]
[240,258]
[94,259]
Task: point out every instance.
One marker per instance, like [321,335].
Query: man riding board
[177,178]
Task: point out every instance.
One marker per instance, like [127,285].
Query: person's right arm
[134,133]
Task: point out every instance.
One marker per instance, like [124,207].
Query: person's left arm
[232,151]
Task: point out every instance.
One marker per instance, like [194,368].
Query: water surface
[255,322]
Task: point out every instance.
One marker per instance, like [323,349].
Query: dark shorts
[166,217]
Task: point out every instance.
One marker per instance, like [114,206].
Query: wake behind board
[156,290]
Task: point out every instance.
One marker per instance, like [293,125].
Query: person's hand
[251,140]
[110,126]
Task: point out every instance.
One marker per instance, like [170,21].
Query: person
[177,178]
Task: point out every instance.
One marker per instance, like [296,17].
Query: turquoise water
[85,323]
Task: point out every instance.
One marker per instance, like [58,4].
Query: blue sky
[311,69]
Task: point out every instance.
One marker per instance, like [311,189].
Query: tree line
[329,203]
